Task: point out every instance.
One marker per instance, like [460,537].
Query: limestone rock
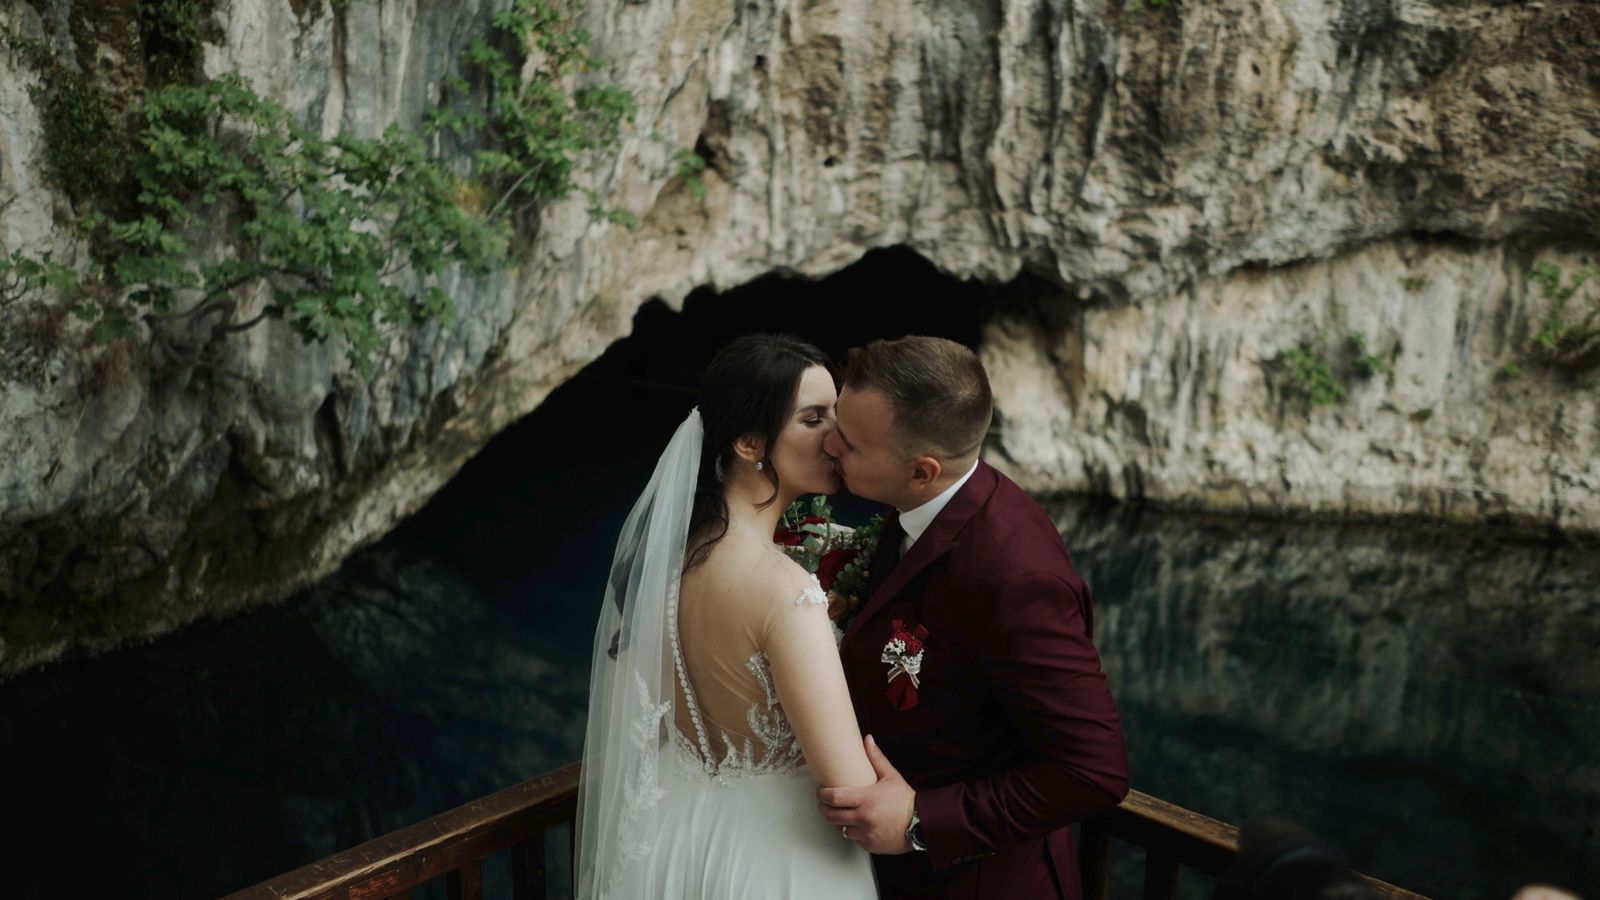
[1177,195]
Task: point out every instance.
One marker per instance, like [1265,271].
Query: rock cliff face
[1186,398]
[1177,195]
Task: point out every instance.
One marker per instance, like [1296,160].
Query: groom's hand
[876,817]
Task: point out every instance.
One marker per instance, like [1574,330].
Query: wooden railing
[1172,837]
[454,845]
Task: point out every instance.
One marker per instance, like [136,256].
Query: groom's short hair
[937,389]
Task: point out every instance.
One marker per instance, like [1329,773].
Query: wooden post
[1160,876]
[528,869]
[465,883]
[1094,859]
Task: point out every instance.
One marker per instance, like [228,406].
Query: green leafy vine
[340,237]
[538,130]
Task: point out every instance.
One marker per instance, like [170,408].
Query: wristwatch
[914,830]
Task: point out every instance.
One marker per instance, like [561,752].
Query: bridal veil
[631,689]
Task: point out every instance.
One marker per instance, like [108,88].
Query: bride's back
[727,606]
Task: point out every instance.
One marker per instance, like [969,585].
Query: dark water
[1429,699]
[1432,701]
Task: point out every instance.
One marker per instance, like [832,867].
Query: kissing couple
[725,757]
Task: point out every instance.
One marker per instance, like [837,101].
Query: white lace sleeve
[810,684]
[813,595]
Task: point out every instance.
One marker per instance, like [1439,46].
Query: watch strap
[914,831]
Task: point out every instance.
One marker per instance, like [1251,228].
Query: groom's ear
[750,447]
[925,470]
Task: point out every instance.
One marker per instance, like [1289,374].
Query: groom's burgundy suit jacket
[1013,735]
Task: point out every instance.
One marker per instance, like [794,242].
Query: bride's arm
[810,683]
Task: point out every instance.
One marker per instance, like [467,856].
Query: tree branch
[242,326]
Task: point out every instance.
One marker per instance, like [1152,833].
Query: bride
[717,700]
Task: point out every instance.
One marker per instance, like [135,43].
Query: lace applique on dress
[641,789]
[779,753]
[813,595]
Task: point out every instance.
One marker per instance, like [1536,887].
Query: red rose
[787,538]
[913,638]
[832,563]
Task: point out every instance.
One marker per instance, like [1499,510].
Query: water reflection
[1428,698]
[208,761]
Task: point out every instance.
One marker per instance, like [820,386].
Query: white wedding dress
[695,783]
[739,813]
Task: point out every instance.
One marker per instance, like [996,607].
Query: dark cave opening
[605,426]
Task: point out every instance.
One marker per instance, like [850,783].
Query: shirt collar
[916,521]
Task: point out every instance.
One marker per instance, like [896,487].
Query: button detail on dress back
[779,752]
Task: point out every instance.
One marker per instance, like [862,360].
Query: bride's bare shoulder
[749,573]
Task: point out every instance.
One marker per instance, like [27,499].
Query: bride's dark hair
[749,388]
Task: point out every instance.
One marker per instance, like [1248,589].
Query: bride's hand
[875,817]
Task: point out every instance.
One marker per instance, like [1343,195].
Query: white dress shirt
[916,521]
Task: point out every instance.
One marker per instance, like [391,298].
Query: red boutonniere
[903,653]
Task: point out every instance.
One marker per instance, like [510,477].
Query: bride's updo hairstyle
[750,387]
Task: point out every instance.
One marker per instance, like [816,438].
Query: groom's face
[863,446]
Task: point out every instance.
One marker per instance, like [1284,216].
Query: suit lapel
[939,539]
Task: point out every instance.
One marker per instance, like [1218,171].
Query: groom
[970,662]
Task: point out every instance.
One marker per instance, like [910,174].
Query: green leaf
[334,227]
[111,326]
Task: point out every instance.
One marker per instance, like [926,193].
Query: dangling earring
[759,466]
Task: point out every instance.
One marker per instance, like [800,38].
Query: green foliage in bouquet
[838,555]
[851,581]
[806,531]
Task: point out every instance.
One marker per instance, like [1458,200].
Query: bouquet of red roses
[837,554]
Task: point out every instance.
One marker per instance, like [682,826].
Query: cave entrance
[888,294]
[537,511]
